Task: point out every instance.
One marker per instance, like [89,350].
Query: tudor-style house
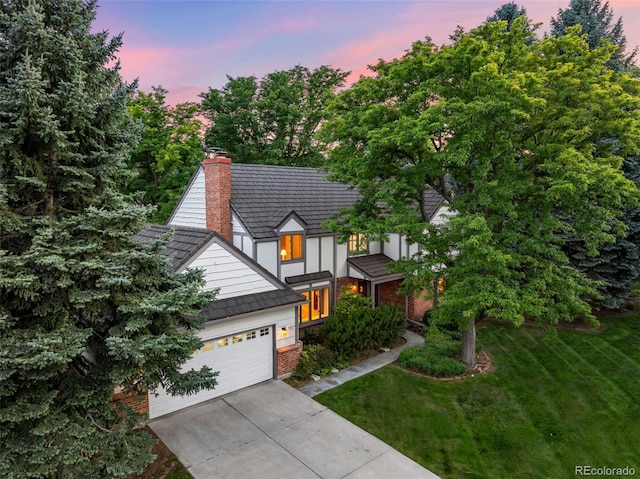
[250,331]
[274,214]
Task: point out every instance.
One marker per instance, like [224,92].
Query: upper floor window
[290,247]
[357,243]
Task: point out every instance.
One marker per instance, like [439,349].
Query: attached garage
[242,359]
[250,332]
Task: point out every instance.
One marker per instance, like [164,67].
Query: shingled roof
[262,195]
[373,266]
[184,243]
[248,303]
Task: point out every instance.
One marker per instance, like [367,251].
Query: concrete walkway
[271,431]
[362,368]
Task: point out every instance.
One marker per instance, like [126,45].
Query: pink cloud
[405,27]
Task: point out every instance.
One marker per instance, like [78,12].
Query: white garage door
[242,359]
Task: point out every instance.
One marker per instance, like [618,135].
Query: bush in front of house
[428,320]
[436,357]
[356,326]
[387,325]
[316,359]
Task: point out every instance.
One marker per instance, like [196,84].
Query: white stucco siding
[441,215]
[281,317]
[374,247]
[191,210]
[228,273]
[247,246]
[267,256]
[392,246]
[353,273]
[291,269]
[291,226]
[326,255]
[312,255]
[341,260]
[413,249]
[236,225]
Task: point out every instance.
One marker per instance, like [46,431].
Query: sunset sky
[188,46]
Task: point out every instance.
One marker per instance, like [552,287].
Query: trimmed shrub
[388,324]
[429,320]
[356,326]
[426,360]
[436,357]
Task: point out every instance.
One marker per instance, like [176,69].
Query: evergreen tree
[617,264]
[83,308]
[509,12]
[597,23]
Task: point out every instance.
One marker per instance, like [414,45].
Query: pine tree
[509,12]
[597,23]
[617,264]
[83,308]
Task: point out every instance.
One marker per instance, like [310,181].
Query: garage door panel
[247,361]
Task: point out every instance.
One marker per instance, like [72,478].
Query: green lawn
[552,402]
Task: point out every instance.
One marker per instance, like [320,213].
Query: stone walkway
[362,368]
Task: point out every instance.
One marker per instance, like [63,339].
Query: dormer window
[291,247]
[357,243]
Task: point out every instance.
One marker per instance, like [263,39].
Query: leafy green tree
[83,308]
[617,265]
[597,23]
[508,133]
[169,151]
[274,120]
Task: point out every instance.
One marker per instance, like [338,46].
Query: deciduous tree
[509,133]
[83,308]
[272,120]
[169,150]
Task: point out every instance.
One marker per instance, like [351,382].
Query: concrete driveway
[272,430]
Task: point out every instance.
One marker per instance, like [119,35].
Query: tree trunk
[468,355]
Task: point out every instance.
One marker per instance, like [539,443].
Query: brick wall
[287,359]
[217,180]
[139,402]
[389,294]
[420,305]
[345,282]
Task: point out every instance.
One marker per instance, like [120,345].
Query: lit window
[237,339]
[223,342]
[357,243]
[251,335]
[318,306]
[290,247]
[208,346]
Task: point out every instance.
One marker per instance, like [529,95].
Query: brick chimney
[217,180]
